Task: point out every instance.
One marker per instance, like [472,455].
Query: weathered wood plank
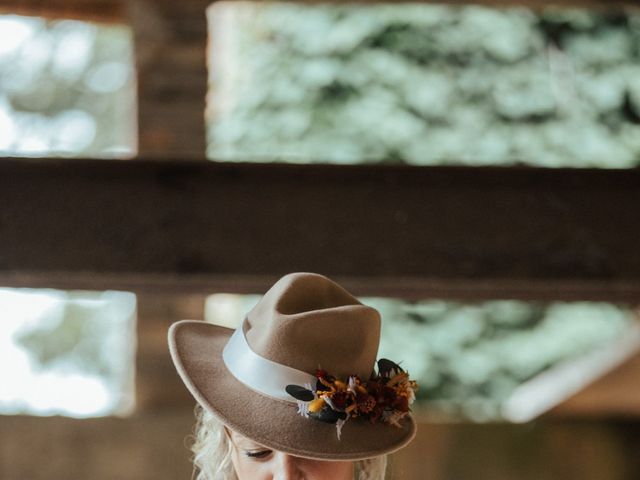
[152,446]
[87,10]
[109,10]
[142,447]
[158,386]
[100,14]
[408,231]
[170,45]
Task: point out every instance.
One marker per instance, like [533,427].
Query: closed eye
[258,453]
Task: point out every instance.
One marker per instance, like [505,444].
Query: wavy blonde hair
[212,453]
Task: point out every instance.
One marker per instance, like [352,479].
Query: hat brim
[196,349]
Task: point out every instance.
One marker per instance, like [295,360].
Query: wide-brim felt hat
[304,322]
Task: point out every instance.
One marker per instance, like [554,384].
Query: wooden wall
[587,218]
[152,446]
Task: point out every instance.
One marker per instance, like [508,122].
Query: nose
[287,467]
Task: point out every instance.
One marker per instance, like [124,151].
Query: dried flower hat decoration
[385,397]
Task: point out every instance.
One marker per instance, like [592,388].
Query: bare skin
[253,461]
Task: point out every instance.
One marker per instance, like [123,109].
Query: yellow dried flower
[340,385]
[316,405]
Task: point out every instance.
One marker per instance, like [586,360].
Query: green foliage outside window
[424,85]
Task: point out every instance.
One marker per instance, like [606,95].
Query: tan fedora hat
[304,323]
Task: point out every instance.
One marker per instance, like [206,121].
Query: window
[67,88]
[68,353]
[424,85]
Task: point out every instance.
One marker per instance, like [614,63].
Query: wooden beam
[87,10]
[158,386]
[170,47]
[390,230]
[151,446]
[141,447]
[540,451]
[109,10]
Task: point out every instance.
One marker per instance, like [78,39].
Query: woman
[294,393]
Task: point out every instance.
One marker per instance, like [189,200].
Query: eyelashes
[258,454]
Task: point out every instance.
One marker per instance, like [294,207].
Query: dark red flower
[366,404]
[339,399]
[401,403]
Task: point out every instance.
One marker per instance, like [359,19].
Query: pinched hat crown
[306,321]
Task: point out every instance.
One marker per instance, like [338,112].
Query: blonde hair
[212,453]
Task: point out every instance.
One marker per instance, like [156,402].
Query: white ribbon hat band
[260,374]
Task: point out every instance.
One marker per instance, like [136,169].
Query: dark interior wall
[152,446]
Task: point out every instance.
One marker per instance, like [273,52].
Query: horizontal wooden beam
[141,447]
[109,10]
[152,446]
[86,10]
[390,230]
